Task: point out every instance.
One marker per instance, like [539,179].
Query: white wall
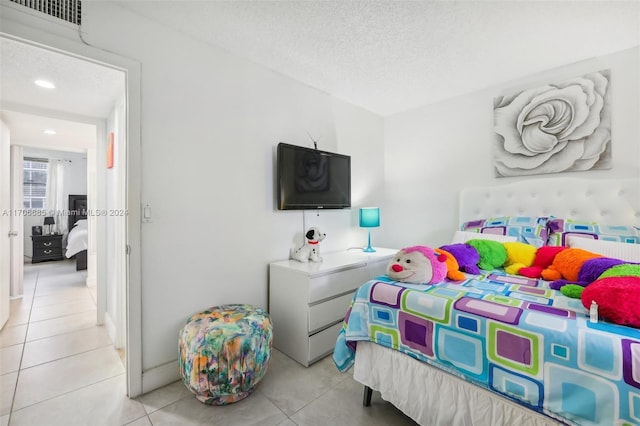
[210,125]
[431,153]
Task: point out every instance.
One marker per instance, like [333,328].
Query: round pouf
[225,352]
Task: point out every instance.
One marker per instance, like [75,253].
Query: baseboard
[91,281]
[111,328]
[160,376]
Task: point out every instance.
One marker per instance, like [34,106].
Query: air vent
[67,10]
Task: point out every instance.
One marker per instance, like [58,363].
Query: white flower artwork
[555,128]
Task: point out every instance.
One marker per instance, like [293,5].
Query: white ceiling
[28,130]
[389,56]
[386,56]
[84,91]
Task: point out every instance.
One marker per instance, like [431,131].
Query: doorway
[91,95]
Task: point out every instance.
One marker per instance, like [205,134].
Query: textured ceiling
[82,89]
[28,130]
[386,56]
[390,56]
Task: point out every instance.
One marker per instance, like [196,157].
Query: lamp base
[369,249]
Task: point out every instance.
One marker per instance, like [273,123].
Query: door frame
[23,33]
[5,224]
[17,222]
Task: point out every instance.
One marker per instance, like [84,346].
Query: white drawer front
[328,312]
[325,286]
[323,343]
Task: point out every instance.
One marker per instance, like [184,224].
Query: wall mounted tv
[310,179]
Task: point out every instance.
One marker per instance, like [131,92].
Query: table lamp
[369,218]
[48,220]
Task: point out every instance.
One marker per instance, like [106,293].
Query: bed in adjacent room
[77,238]
[501,349]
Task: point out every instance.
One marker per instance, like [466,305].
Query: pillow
[464,236]
[82,223]
[613,249]
[561,229]
[531,230]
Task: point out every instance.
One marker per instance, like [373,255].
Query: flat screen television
[310,179]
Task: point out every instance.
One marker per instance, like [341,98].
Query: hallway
[53,354]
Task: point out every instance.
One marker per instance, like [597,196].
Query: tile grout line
[274,403]
[24,343]
[37,282]
[59,334]
[63,316]
[66,356]
[67,392]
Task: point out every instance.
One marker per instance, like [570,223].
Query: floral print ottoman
[224,352]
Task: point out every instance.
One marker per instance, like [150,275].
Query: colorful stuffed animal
[567,264]
[492,253]
[589,272]
[622,270]
[519,255]
[466,256]
[418,265]
[311,248]
[453,269]
[543,259]
[611,285]
[617,298]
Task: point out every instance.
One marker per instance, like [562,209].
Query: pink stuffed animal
[418,265]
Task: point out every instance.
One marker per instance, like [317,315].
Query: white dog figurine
[310,251]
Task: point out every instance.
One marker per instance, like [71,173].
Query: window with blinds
[35,183]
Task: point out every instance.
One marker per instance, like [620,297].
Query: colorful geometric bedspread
[511,335]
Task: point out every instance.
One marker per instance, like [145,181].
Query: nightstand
[46,247]
[308,301]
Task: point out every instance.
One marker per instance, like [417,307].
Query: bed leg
[366,397]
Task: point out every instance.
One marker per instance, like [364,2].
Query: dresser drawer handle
[48,244]
[48,251]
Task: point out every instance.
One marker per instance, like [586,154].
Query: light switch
[146,213]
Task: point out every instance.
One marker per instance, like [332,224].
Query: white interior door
[17,223]
[5,223]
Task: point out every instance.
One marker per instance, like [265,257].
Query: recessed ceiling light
[44,83]
[49,132]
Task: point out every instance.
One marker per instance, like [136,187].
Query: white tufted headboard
[610,201]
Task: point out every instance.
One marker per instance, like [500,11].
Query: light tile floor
[58,368]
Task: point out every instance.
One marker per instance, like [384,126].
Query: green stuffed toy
[573,291]
[623,270]
[493,254]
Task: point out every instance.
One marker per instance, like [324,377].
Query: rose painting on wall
[554,128]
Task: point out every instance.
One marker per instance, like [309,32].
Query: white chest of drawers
[308,301]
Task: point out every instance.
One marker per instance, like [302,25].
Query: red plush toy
[618,299]
[543,259]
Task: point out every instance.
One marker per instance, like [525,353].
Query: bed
[501,349]
[77,238]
